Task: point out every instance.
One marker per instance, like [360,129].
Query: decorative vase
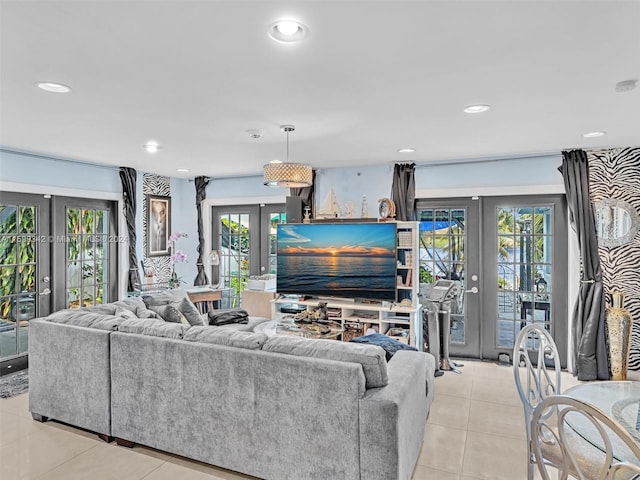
[174,281]
[618,328]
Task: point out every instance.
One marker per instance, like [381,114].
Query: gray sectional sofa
[273,407]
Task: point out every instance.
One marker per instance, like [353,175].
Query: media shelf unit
[384,315]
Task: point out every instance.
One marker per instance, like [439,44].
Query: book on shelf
[407,282]
[405,239]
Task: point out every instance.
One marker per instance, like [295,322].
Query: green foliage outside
[17,256]
[84,228]
[235,238]
[513,231]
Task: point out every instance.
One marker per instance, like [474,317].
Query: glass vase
[174,281]
[618,323]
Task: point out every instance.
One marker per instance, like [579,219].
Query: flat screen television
[348,260]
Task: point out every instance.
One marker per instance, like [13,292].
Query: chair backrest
[535,349]
[591,444]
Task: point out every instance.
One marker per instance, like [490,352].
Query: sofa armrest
[70,374]
[393,418]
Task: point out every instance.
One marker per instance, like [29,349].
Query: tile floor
[475,431]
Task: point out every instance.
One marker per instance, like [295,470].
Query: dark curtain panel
[589,344]
[403,191]
[307,194]
[201,187]
[128,178]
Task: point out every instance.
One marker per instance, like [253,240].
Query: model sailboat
[330,208]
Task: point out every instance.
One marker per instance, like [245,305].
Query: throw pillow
[371,357]
[180,300]
[190,311]
[388,344]
[164,297]
[170,314]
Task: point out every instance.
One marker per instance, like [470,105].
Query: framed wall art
[158,225]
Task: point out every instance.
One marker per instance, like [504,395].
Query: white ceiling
[371,77]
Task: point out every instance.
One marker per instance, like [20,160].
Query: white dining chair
[533,353]
[581,441]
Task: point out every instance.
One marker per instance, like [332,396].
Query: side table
[205,298]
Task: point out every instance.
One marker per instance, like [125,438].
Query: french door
[25,273]
[55,252]
[524,269]
[509,255]
[449,249]
[244,237]
[85,252]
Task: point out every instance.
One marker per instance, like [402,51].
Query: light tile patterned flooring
[475,431]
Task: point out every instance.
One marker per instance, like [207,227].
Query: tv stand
[381,316]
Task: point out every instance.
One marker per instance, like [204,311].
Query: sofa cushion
[170,314]
[371,357]
[85,318]
[180,300]
[225,336]
[105,308]
[153,326]
[124,313]
[388,344]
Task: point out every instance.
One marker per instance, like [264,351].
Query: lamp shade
[287,175]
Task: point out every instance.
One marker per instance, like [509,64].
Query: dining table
[618,399]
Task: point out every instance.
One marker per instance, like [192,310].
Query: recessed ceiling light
[594,134]
[152,146]
[287,31]
[54,87]
[406,150]
[476,108]
[182,170]
[626,86]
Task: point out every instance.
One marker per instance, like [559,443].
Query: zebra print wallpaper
[615,173]
[155,185]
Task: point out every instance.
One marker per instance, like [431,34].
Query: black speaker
[294,210]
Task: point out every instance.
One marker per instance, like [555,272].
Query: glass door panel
[449,250]
[24,268]
[245,236]
[270,217]
[525,253]
[86,256]
[235,236]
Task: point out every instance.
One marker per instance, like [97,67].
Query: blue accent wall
[349,184]
[40,170]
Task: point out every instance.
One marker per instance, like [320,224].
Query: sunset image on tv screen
[355,260]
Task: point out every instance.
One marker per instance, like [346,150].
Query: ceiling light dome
[476,108]
[599,133]
[152,146]
[53,87]
[287,31]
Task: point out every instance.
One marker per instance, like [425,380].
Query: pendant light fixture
[286,174]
